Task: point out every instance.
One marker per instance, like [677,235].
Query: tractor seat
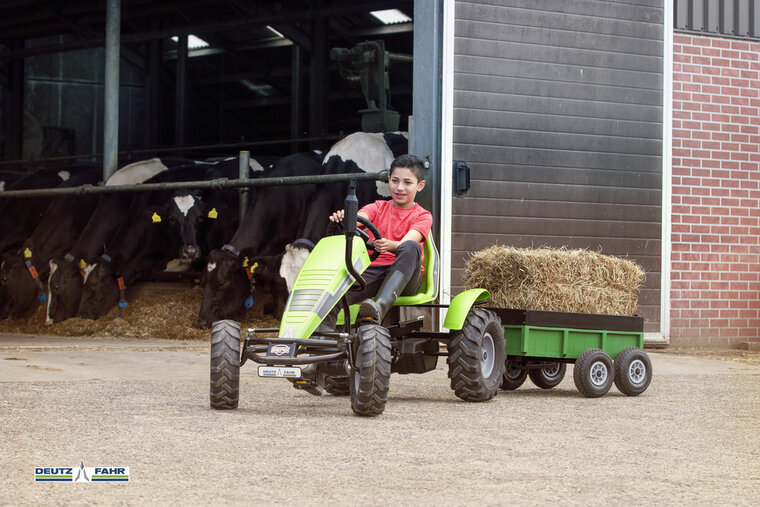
[428,286]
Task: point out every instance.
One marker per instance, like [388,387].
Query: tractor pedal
[307,385]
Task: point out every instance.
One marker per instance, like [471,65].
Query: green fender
[460,307]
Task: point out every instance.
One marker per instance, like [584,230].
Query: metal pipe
[180,87]
[244,163]
[295,94]
[111,91]
[217,184]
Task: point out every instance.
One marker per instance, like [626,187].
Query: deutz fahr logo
[81,474]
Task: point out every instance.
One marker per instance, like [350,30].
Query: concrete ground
[692,437]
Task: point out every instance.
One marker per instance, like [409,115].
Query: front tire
[593,373]
[370,379]
[548,377]
[225,364]
[476,356]
[633,371]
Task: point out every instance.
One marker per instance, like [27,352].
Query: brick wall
[715,283]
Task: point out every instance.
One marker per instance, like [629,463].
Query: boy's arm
[386,245]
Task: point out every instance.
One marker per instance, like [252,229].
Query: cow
[150,237]
[67,273]
[22,271]
[288,213]
[356,153]
[272,220]
[19,216]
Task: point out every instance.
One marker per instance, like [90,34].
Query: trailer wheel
[633,371]
[513,377]
[593,373]
[225,364]
[548,377]
[337,386]
[370,379]
[476,356]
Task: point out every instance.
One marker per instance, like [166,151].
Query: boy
[404,226]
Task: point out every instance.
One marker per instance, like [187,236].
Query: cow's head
[184,211]
[18,291]
[226,286]
[100,292]
[67,276]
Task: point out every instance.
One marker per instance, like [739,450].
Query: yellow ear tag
[156,219]
[255,265]
[82,264]
[245,262]
[27,253]
[213,213]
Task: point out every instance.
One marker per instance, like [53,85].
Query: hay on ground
[168,315]
[557,280]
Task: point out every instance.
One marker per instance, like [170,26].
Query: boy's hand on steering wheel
[337,216]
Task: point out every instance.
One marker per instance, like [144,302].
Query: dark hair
[412,163]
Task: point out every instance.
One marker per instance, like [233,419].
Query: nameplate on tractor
[280,371]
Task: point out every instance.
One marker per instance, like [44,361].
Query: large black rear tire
[225,364]
[370,380]
[476,356]
[633,371]
[548,377]
[337,386]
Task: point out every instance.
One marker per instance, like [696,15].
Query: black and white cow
[273,219]
[356,153]
[160,227]
[19,216]
[68,273]
[301,211]
[22,271]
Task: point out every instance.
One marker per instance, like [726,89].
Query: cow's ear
[155,214]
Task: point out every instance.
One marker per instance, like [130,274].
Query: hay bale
[554,279]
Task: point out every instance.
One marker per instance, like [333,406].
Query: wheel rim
[598,373]
[487,355]
[637,371]
[552,371]
[512,372]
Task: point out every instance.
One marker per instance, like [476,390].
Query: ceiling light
[193,42]
[278,34]
[391,16]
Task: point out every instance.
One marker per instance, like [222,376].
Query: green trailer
[606,349]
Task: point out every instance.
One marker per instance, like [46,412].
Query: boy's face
[404,187]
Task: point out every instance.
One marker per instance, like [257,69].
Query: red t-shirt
[393,223]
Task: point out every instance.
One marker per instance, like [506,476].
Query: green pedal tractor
[357,359]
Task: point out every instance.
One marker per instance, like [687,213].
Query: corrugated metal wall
[737,18]
[558,111]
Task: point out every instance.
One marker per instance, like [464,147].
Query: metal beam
[217,184]
[219,26]
[180,88]
[111,89]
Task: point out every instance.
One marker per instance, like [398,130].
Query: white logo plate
[280,371]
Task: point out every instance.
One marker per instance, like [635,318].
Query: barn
[544,123]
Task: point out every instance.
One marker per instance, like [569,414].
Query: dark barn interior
[261,75]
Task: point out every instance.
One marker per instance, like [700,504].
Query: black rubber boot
[308,380]
[392,287]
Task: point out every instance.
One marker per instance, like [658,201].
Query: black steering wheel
[334,228]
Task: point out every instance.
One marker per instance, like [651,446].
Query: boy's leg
[374,276]
[403,278]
